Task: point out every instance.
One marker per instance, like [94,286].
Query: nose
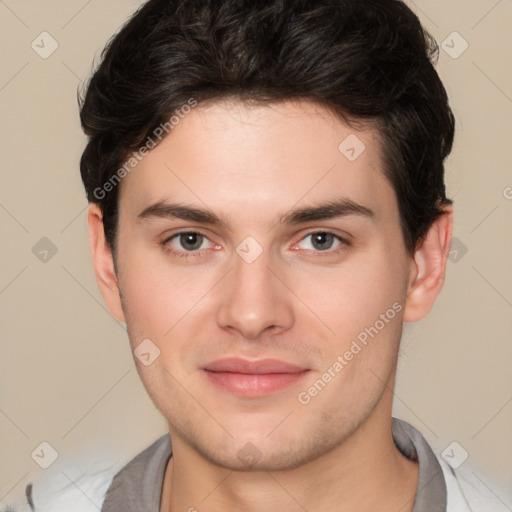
[253,300]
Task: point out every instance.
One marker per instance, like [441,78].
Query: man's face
[264,274]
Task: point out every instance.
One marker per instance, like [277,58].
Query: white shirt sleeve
[468,492]
[55,492]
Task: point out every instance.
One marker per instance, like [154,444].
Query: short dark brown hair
[368,61]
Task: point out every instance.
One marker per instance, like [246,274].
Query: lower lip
[253,384]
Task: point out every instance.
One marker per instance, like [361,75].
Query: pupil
[191,241]
[322,241]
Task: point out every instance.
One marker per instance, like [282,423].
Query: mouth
[253,378]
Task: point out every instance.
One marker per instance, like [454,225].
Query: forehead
[245,160]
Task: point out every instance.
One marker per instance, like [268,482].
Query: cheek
[362,303]
[363,308]
[353,295]
[150,295]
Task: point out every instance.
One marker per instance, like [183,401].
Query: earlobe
[428,268]
[103,262]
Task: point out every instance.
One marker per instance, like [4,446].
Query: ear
[103,262]
[428,267]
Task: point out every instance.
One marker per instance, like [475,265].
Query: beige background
[66,371]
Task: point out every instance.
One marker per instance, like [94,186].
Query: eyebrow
[325,211]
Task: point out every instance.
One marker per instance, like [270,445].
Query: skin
[298,302]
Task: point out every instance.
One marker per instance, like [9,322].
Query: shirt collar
[431,495]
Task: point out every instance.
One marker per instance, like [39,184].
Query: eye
[320,241]
[188,242]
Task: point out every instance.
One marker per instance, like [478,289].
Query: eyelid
[344,235]
[186,231]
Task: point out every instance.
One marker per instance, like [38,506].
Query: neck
[366,472]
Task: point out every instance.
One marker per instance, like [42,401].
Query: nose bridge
[252,298]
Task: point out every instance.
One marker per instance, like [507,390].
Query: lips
[263,366]
[252,378]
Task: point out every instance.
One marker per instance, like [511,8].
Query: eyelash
[344,244]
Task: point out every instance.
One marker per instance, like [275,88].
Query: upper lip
[258,367]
